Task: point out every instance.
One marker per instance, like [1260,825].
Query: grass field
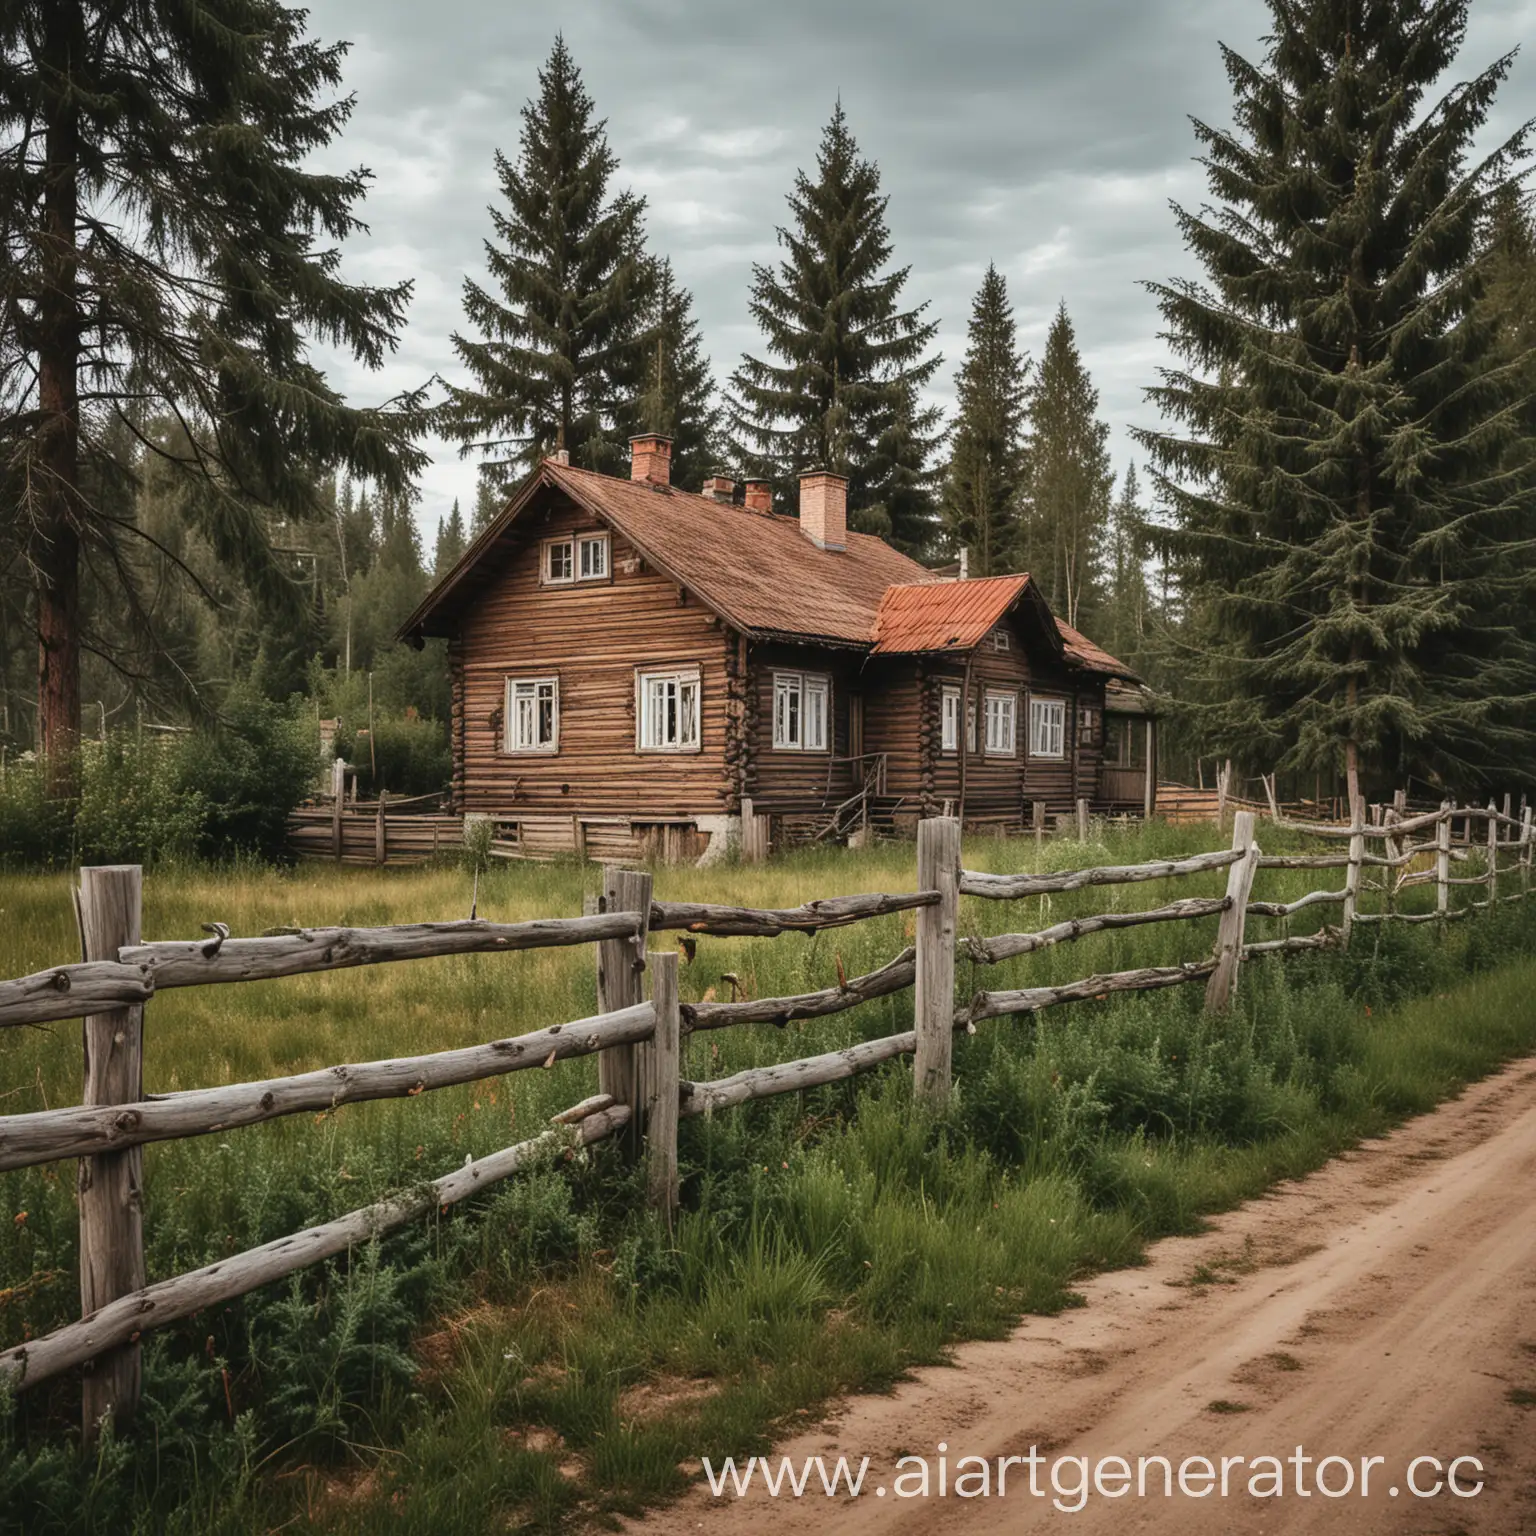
[548,1355]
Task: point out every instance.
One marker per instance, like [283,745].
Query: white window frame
[526,690]
[597,546]
[577,561]
[950,720]
[1002,708]
[1047,722]
[1000,640]
[794,694]
[647,702]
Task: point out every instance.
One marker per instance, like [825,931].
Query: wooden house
[634,666]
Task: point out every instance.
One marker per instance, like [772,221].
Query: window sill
[668,751]
[530,751]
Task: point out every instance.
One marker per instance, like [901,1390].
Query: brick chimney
[759,496]
[718,488]
[650,458]
[824,508]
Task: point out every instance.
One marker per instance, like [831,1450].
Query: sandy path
[1385,1306]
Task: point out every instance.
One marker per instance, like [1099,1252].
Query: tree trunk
[55,534]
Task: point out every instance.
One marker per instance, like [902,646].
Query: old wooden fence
[636,1033]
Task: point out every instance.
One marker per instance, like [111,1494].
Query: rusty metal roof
[943,615]
[1082,652]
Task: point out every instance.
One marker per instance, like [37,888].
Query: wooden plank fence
[636,1034]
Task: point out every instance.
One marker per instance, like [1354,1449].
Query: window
[594,557]
[1088,719]
[1000,737]
[1000,641]
[800,711]
[667,710]
[583,558]
[1047,728]
[1125,739]
[533,714]
[951,719]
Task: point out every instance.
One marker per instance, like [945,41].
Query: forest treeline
[1324,561]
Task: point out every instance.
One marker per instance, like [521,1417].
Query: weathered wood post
[1082,820]
[1223,783]
[1269,794]
[1037,821]
[110,1184]
[1229,936]
[1149,781]
[338,797]
[1356,859]
[381,832]
[1443,860]
[1493,855]
[938,869]
[662,1055]
[1525,850]
[621,984]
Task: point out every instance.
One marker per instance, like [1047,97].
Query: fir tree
[169,248]
[986,467]
[1070,480]
[451,542]
[678,397]
[489,500]
[1349,484]
[1123,626]
[848,363]
[558,345]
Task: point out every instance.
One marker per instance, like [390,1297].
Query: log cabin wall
[893,719]
[592,636]
[793,781]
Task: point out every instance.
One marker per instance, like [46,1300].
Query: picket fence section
[637,1033]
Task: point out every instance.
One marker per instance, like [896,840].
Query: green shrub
[409,756]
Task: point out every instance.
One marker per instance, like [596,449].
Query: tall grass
[551,1353]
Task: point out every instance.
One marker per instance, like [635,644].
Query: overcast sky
[1047,136]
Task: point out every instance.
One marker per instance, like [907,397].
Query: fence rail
[636,1037]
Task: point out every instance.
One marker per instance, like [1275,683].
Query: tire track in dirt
[1383,1306]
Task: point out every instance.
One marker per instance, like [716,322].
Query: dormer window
[583,557]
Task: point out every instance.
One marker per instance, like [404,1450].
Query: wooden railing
[636,1034]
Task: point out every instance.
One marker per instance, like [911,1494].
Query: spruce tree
[846,363]
[452,541]
[678,395]
[1123,625]
[557,341]
[169,250]
[986,468]
[1348,481]
[1070,481]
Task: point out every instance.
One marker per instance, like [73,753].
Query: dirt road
[1384,1307]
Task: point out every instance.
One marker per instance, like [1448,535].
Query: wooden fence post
[938,869]
[1037,821]
[1493,855]
[621,984]
[1525,850]
[1356,858]
[1223,784]
[1082,821]
[1443,860]
[110,1184]
[1391,847]
[380,833]
[338,797]
[1149,781]
[662,1055]
[1229,937]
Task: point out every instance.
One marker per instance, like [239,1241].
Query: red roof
[764,577]
[943,615]
[1082,652]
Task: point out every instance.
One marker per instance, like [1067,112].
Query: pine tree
[986,468]
[848,362]
[169,249]
[451,542]
[558,348]
[488,502]
[1070,480]
[678,397]
[1123,626]
[1349,484]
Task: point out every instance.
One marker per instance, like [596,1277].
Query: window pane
[688,714]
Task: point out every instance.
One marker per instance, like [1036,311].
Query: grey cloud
[1046,137]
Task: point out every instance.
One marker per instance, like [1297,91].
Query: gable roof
[755,569]
[765,578]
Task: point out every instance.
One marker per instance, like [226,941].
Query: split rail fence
[636,1034]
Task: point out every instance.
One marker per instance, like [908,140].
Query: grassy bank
[549,1355]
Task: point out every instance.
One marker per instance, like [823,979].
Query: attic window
[582,558]
[1000,641]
